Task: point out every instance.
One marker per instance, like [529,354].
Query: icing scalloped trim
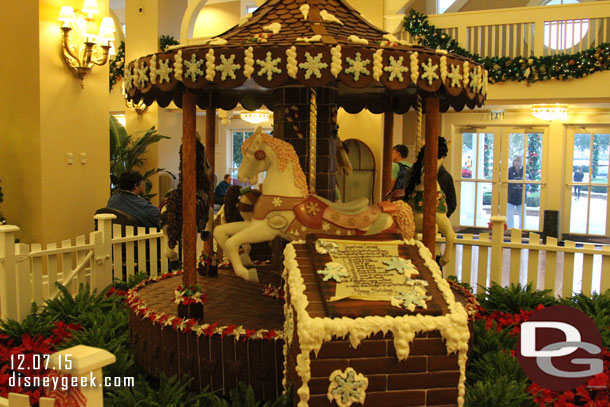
[414,66]
[178,68]
[336,64]
[210,67]
[443,68]
[465,74]
[291,62]
[329,18]
[153,69]
[378,64]
[248,62]
[357,40]
[313,332]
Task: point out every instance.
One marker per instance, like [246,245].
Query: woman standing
[515,193]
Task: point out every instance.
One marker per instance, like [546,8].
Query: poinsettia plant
[204,260]
[190,295]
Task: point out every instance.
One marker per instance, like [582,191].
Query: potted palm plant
[127,151]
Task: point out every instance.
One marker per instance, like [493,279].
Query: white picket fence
[564,269]
[28,273]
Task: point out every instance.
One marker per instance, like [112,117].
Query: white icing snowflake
[396,69]
[414,296]
[269,66]
[164,70]
[227,67]
[475,79]
[277,201]
[429,71]
[142,75]
[357,66]
[303,229]
[347,387]
[325,226]
[402,266]
[128,82]
[333,271]
[193,67]
[455,76]
[313,65]
[325,246]
[338,232]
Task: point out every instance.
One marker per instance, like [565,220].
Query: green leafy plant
[597,307]
[167,41]
[131,282]
[117,65]
[36,323]
[127,151]
[515,298]
[170,392]
[498,392]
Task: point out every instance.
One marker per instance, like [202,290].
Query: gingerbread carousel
[364,315]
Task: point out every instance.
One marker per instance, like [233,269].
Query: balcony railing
[527,31]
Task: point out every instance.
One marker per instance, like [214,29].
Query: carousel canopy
[308,43]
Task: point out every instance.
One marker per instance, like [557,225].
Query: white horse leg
[245,256]
[226,230]
[254,233]
[446,229]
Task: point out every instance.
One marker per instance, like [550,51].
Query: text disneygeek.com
[67,382]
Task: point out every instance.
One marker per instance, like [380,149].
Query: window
[251,9]
[564,33]
[237,138]
[443,5]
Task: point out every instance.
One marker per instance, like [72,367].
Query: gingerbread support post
[210,153]
[430,171]
[189,188]
[386,171]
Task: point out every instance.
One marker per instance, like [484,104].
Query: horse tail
[405,225]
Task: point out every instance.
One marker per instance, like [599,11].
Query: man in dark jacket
[221,190]
[130,201]
[515,193]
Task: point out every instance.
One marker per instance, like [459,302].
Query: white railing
[28,273]
[565,270]
[527,31]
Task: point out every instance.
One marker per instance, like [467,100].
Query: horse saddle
[314,210]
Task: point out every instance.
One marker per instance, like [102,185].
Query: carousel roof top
[314,43]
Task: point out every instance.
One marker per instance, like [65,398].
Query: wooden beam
[189,188]
[386,169]
[432,109]
[210,153]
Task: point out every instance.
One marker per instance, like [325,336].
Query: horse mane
[416,169]
[285,154]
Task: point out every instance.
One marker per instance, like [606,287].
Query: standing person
[400,165]
[130,201]
[515,193]
[578,176]
[221,190]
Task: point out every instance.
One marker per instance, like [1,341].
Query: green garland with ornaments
[117,65]
[523,68]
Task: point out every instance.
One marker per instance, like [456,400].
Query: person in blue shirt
[221,190]
[129,200]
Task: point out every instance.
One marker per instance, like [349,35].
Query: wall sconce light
[82,41]
[255,117]
[550,112]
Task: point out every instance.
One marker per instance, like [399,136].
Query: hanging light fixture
[82,41]
[255,117]
[550,112]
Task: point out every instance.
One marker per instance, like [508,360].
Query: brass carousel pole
[189,188]
[386,171]
[210,136]
[430,171]
[313,125]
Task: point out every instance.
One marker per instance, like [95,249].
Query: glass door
[588,189]
[520,200]
[478,178]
